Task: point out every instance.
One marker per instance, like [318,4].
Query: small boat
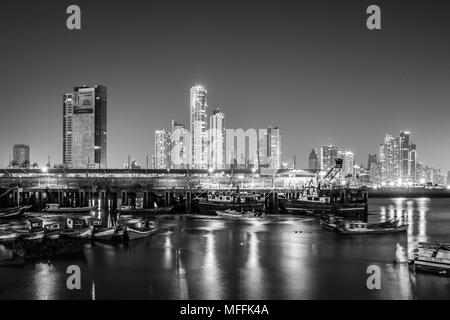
[140,229]
[13,212]
[237,214]
[56,208]
[330,222]
[52,231]
[360,227]
[134,210]
[33,231]
[77,228]
[433,258]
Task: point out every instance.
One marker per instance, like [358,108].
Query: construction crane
[329,176]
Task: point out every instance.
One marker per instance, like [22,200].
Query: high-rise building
[179,141]
[162,149]
[21,155]
[313,160]
[67,129]
[412,163]
[217,140]
[372,158]
[404,155]
[89,129]
[348,162]
[328,155]
[198,121]
[447,180]
[274,147]
[263,159]
[390,159]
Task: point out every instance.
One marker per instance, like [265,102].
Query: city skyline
[323,92]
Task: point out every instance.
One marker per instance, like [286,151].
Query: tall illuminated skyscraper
[179,146]
[21,155]
[328,155]
[85,144]
[198,123]
[274,147]
[217,140]
[67,129]
[404,142]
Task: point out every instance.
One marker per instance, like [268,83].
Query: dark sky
[311,68]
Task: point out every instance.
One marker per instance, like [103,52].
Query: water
[289,258]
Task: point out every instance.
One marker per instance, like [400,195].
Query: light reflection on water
[251,259]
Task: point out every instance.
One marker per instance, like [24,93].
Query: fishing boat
[323,196]
[77,228]
[236,214]
[33,231]
[330,222]
[52,231]
[140,229]
[240,202]
[56,208]
[433,258]
[134,210]
[13,212]
[359,227]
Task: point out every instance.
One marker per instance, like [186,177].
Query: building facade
[217,140]
[313,160]
[162,149]
[21,156]
[328,156]
[179,146]
[85,146]
[198,124]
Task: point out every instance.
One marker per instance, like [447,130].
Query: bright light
[448,187]
[391,183]
[44,169]
[383,183]
[253,169]
[241,177]
[210,170]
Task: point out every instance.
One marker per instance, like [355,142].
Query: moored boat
[52,231]
[241,202]
[33,231]
[433,258]
[7,236]
[140,229]
[359,227]
[77,228]
[56,208]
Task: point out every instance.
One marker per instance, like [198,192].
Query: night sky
[311,68]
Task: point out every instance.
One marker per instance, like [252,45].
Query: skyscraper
[274,147]
[328,155]
[162,149]
[217,140]
[404,156]
[67,129]
[198,121]
[390,159]
[313,160]
[348,162]
[412,162]
[21,155]
[179,146]
[89,130]
[372,158]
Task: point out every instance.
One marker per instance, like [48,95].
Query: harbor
[279,256]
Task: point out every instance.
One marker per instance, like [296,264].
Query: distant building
[372,158]
[198,123]
[179,146]
[274,147]
[217,140]
[313,160]
[21,156]
[85,128]
[67,129]
[448,178]
[348,162]
[328,155]
[162,149]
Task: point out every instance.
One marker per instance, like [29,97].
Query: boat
[241,202]
[77,228]
[322,196]
[433,258]
[359,227]
[140,229]
[237,214]
[331,222]
[13,212]
[134,210]
[33,230]
[56,208]
[52,231]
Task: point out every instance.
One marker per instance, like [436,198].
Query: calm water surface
[288,258]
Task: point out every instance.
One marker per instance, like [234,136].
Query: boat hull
[308,207]
[84,233]
[69,210]
[373,231]
[212,207]
[134,234]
